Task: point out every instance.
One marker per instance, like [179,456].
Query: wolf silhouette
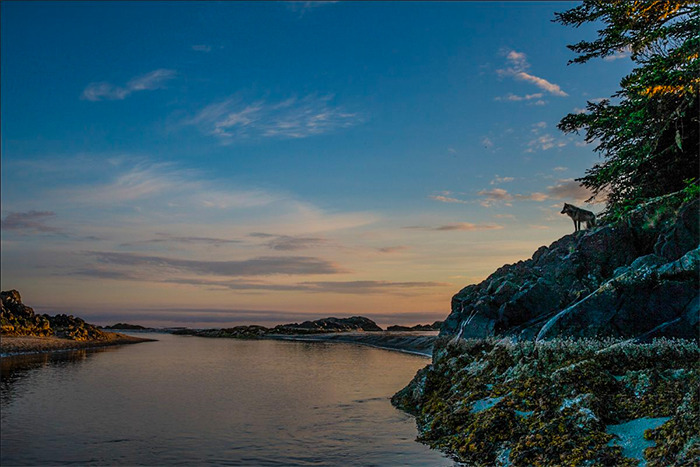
[579,215]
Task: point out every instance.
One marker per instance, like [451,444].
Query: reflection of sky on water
[223,401]
[15,369]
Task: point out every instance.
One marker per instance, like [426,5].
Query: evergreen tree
[647,134]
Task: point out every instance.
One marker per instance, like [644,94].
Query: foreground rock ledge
[490,402]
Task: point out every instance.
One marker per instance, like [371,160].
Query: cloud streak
[167,238]
[30,221]
[294,118]
[458,226]
[155,79]
[569,189]
[518,68]
[338,287]
[289,242]
[496,195]
[447,199]
[261,266]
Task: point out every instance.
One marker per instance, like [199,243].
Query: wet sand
[18,345]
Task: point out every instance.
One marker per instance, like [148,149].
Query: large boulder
[647,301]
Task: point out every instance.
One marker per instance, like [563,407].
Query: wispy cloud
[517,67]
[261,266]
[496,195]
[545,142]
[619,54]
[303,7]
[498,180]
[168,184]
[201,48]
[468,226]
[487,142]
[392,249]
[167,238]
[336,287]
[569,189]
[463,226]
[339,287]
[30,221]
[541,83]
[289,242]
[447,199]
[231,119]
[156,79]
[510,97]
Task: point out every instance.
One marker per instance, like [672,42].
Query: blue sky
[224,163]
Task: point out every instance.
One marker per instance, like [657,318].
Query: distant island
[418,327]
[24,331]
[126,327]
[319,326]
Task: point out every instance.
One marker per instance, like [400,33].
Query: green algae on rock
[552,402]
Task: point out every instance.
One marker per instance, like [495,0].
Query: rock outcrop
[127,327]
[638,277]
[491,402]
[354,323]
[17,319]
[418,327]
[319,326]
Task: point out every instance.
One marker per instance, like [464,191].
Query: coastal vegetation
[647,132]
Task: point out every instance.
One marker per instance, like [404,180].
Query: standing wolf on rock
[579,215]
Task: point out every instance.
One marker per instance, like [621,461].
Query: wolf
[579,215]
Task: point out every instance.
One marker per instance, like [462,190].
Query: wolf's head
[567,209]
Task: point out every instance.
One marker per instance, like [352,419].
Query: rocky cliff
[571,357]
[637,277]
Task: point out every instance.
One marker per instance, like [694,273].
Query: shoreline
[407,342]
[11,346]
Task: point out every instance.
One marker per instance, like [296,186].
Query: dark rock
[644,299]
[126,326]
[621,279]
[354,323]
[17,319]
[682,236]
[418,327]
[325,325]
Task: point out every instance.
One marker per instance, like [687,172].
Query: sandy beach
[17,345]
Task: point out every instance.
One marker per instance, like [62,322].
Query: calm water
[188,400]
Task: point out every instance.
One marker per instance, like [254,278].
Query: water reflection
[16,368]
[188,400]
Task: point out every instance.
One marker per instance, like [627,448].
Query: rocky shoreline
[21,345]
[491,402]
[586,354]
[24,332]
[418,343]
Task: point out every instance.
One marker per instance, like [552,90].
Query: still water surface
[189,400]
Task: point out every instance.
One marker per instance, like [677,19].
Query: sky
[217,164]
